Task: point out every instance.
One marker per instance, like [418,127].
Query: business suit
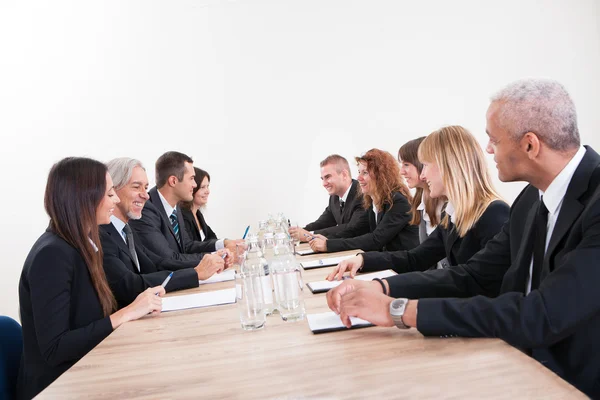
[443,242]
[559,322]
[392,230]
[156,234]
[333,221]
[192,228]
[124,278]
[61,314]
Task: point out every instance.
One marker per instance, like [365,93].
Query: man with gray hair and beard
[535,285]
[129,266]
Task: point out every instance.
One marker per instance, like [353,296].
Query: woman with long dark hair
[66,305]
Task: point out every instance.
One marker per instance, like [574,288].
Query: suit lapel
[118,238]
[452,238]
[155,199]
[516,277]
[571,207]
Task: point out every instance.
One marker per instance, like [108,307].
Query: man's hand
[334,296]
[318,243]
[366,304]
[351,265]
[227,256]
[299,234]
[209,265]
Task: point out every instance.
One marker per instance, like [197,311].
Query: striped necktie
[175,225]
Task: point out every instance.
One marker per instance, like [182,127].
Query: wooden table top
[204,353]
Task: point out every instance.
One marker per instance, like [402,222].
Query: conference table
[204,353]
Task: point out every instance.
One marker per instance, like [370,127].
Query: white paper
[323,286]
[325,262]
[215,298]
[305,252]
[330,321]
[227,275]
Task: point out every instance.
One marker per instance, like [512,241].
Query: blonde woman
[454,167]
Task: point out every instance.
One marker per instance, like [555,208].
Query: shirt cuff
[220,244]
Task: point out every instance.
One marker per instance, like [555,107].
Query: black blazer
[156,234]
[442,242]
[558,323]
[60,312]
[125,281]
[332,221]
[392,231]
[192,228]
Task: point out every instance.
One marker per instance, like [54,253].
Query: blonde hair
[464,173]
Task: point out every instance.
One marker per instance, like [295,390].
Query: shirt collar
[421,206]
[93,244]
[450,210]
[166,205]
[345,196]
[118,224]
[554,194]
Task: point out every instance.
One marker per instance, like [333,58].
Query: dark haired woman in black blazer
[66,305]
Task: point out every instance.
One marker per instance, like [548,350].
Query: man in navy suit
[161,227]
[535,285]
[130,267]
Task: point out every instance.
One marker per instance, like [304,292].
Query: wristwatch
[397,308]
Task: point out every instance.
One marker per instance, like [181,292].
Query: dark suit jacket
[192,228]
[60,312]
[443,242]
[125,281]
[156,234]
[332,221]
[559,323]
[392,231]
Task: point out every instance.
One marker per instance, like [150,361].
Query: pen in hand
[167,279]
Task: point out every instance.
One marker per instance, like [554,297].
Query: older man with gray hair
[535,285]
[129,266]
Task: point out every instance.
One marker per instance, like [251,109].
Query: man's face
[133,195]
[508,155]
[184,189]
[333,181]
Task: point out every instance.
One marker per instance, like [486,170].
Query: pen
[168,278]
[245,233]
[310,236]
[223,255]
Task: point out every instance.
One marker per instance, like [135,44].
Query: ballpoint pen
[246,232]
[167,279]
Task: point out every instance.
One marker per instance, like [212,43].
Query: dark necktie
[131,244]
[175,225]
[539,245]
[341,207]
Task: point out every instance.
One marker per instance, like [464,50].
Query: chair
[11,346]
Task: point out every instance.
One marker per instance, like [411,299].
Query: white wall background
[258,92]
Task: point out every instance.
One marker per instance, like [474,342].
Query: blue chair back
[11,346]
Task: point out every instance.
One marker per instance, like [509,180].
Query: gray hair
[121,169]
[541,106]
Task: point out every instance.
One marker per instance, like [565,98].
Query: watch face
[397,304]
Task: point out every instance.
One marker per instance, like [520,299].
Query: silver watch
[397,308]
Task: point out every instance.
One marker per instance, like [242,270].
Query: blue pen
[310,236]
[245,233]
[223,255]
[166,281]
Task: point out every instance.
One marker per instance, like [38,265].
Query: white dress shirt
[553,199]
[119,226]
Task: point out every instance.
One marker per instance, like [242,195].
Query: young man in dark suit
[161,227]
[130,267]
[535,284]
[345,202]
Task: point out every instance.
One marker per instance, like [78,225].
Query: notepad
[324,286]
[218,297]
[331,322]
[227,275]
[326,262]
[305,252]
